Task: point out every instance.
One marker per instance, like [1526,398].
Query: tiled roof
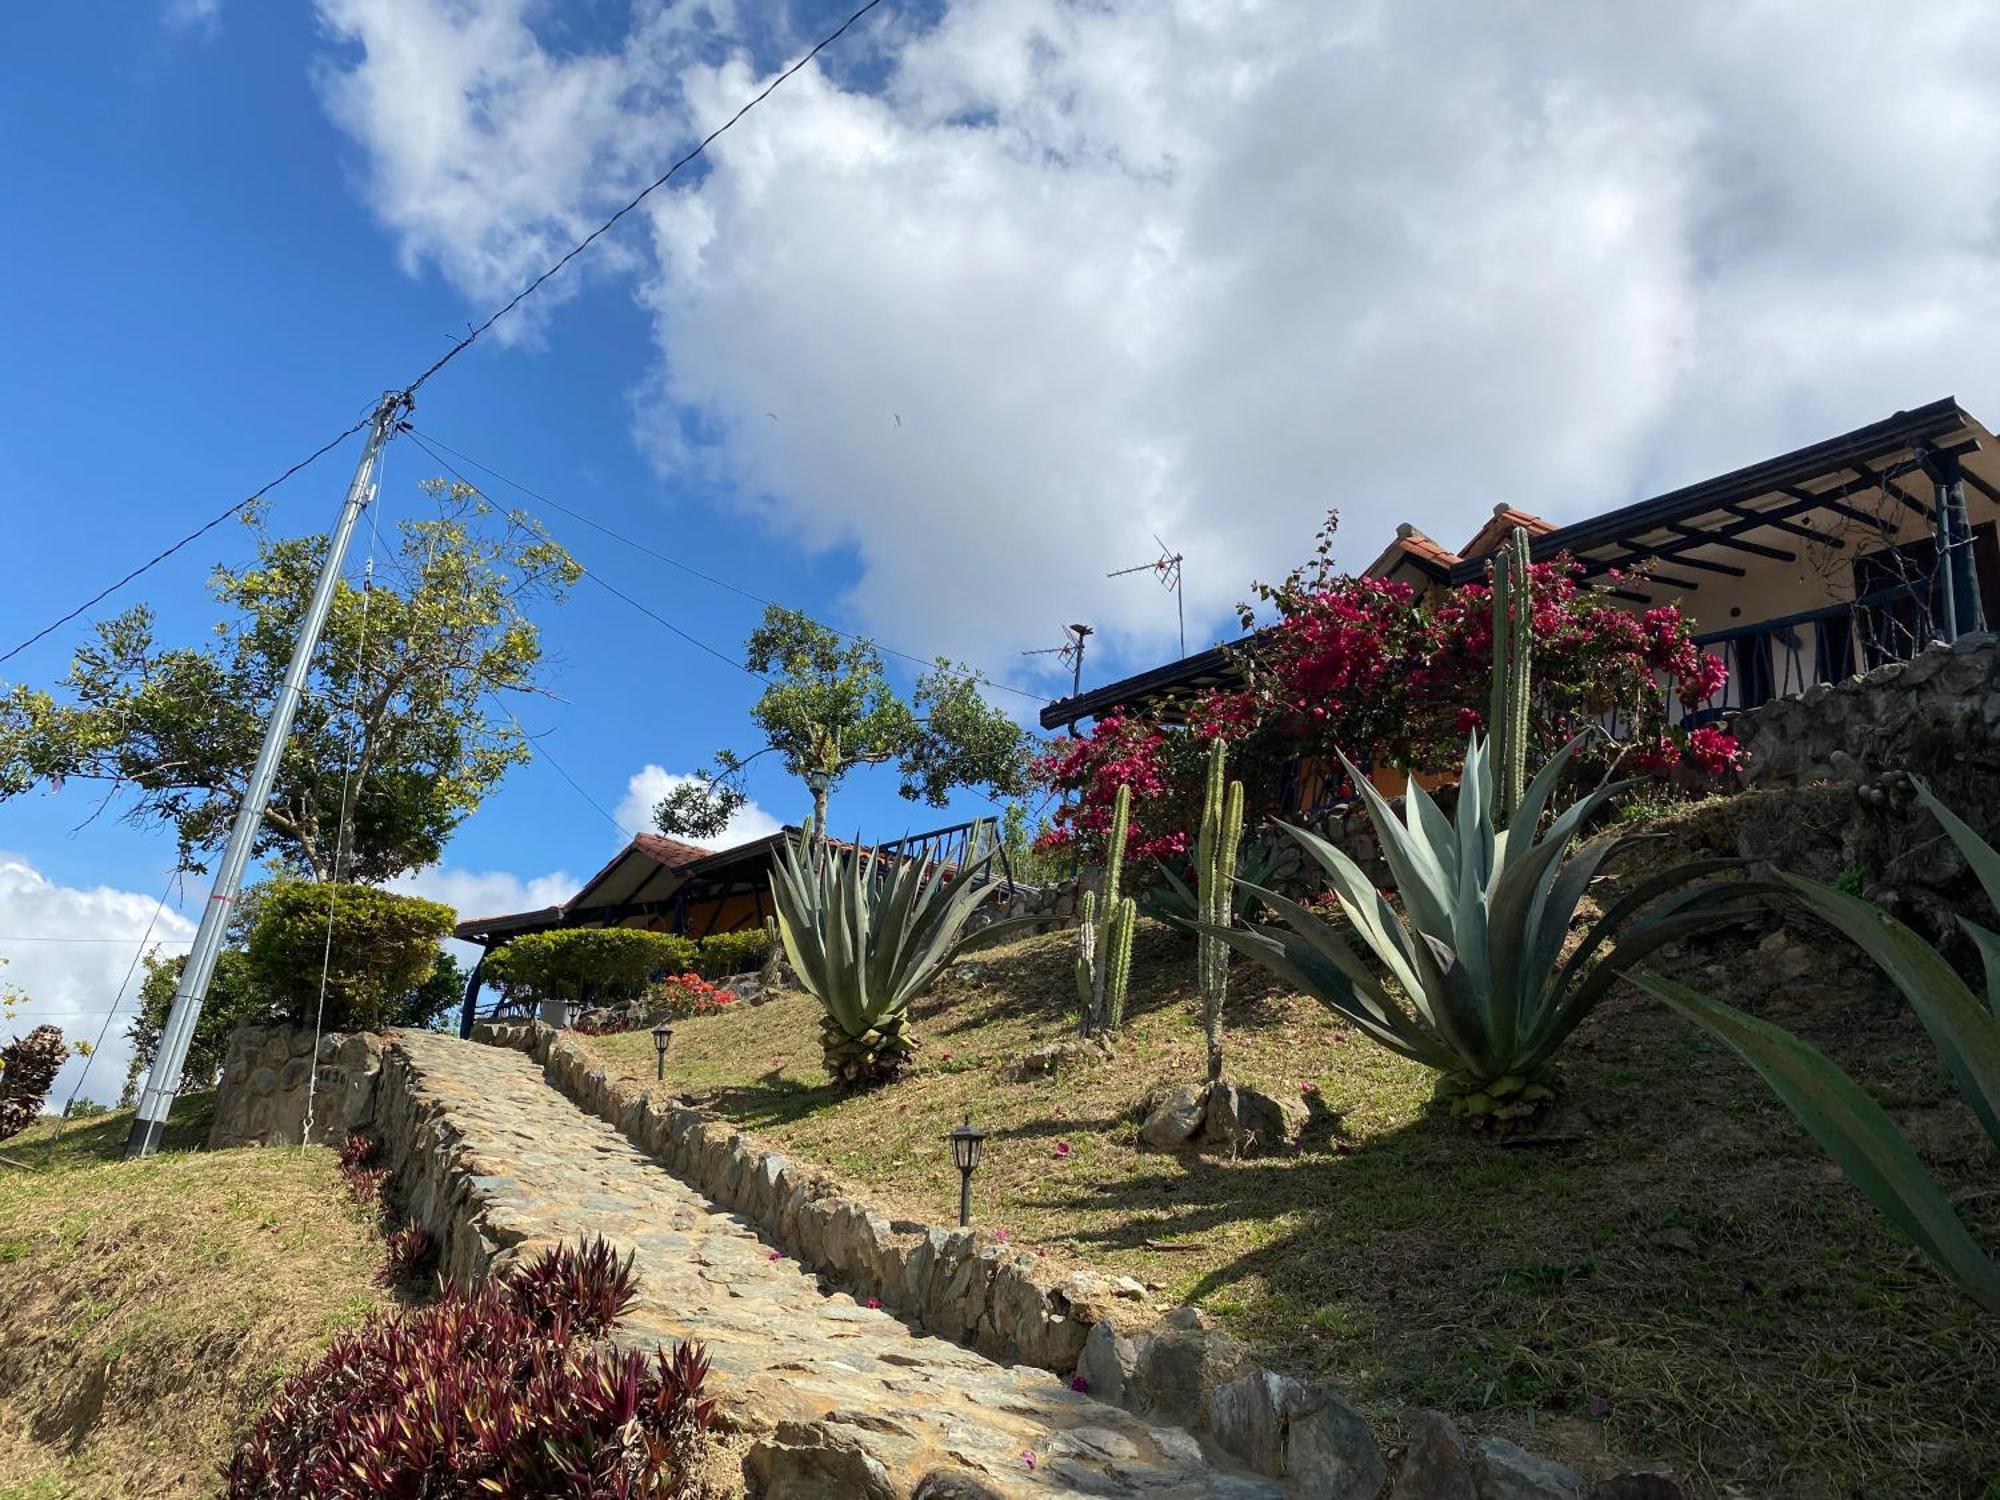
[672,853]
[1495,531]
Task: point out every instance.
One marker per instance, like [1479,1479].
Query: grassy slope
[150,1307]
[1692,1282]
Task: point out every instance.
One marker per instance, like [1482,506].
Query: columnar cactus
[1513,643]
[1104,943]
[1215,870]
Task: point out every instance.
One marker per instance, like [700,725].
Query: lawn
[151,1306]
[1689,1281]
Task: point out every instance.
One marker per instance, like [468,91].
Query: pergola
[1861,487]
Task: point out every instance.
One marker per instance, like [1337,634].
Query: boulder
[1179,1361]
[1067,1055]
[1106,1363]
[1247,1122]
[809,1461]
[1435,1464]
[1172,1123]
[1509,1472]
[1300,1433]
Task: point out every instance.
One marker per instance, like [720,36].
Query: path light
[966,1143]
[662,1034]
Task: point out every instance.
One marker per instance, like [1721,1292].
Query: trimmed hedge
[587,965]
[383,947]
[722,954]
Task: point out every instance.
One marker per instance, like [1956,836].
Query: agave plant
[866,935]
[1178,904]
[1849,1125]
[1472,977]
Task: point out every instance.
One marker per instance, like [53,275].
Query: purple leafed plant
[496,1393]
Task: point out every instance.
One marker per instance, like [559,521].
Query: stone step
[843,1400]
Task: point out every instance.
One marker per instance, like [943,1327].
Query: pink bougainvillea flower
[1599,1407]
[874,1301]
[1001,1235]
[1028,1457]
[1307,1090]
[945,1057]
[1062,1152]
[1078,1384]
[776,1255]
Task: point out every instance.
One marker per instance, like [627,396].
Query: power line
[658,182]
[693,640]
[574,785]
[425,439]
[207,526]
[470,338]
[148,937]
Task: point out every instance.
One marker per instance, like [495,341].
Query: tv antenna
[1167,568]
[1070,653]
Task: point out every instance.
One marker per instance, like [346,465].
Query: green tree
[400,733]
[828,707]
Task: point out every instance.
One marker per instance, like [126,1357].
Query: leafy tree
[828,707]
[232,1001]
[399,735]
[366,950]
[28,1067]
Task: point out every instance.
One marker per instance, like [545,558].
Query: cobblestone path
[846,1401]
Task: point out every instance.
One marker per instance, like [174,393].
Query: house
[665,885]
[1807,567]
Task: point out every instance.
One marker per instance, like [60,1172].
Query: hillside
[1686,1280]
[151,1306]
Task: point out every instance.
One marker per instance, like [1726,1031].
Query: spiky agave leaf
[1476,949]
[866,934]
[1852,1128]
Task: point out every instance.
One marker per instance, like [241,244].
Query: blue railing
[1780,657]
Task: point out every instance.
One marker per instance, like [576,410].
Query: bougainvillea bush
[1367,668]
[503,1392]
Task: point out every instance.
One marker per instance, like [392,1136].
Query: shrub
[28,1067]
[684,995]
[383,947]
[721,954]
[587,965]
[493,1393]
[409,1258]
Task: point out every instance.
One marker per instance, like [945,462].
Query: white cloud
[645,789]
[204,16]
[487,893]
[69,950]
[1075,273]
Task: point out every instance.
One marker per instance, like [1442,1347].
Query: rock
[1330,1452]
[1128,1287]
[1068,1054]
[1509,1472]
[941,1484]
[1639,1484]
[1246,1121]
[1435,1465]
[748,988]
[808,1461]
[1171,1124]
[1180,1361]
[1106,1363]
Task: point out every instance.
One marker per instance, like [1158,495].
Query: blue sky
[942,333]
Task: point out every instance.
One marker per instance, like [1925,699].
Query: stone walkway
[845,1400]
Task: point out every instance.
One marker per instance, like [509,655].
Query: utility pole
[164,1077]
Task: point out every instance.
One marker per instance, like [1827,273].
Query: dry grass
[151,1307]
[1690,1282]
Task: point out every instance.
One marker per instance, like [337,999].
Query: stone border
[1007,1303]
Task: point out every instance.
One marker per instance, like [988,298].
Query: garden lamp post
[662,1034]
[966,1143]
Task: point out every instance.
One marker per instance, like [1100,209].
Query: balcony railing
[1777,658]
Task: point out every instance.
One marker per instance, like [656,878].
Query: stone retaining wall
[1924,715]
[265,1074]
[965,1286]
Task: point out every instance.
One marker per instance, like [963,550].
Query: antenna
[1167,568]
[1070,652]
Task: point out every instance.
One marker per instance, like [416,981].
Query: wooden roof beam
[1836,501]
[1727,537]
[1889,486]
[1780,520]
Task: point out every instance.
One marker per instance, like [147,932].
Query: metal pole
[1941,497]
[164,1077]
[964,1198]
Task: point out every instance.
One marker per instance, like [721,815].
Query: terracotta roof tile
[672,853]
[1505,518]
